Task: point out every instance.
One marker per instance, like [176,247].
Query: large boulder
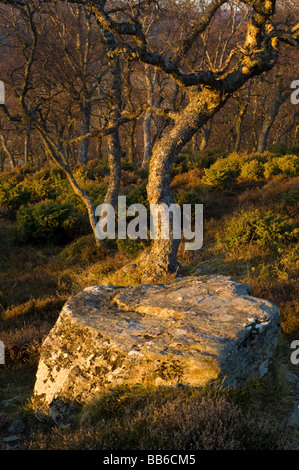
[190,331]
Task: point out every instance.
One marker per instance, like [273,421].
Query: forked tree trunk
[162,258]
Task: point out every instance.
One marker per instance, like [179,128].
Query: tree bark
[162,258]
[131,142]
[206,132]
[27,143]
[113,140]
[147,122]
[279,99]
[7,152]
[85,123]
[238,125]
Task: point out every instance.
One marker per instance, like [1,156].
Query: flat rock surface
[190,331]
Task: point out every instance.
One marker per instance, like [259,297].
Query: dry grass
[176,420]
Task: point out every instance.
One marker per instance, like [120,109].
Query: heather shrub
[167,421]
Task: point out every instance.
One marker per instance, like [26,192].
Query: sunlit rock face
[190,331]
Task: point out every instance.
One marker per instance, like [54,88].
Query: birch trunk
[85,124]
[147,122]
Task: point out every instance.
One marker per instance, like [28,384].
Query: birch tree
[208,88]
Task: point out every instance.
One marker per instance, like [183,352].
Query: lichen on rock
[190,331]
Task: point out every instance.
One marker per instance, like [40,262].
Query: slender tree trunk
[195,146]
[58,158]
[279,99]
[206,132]
[85,123]
[99,148]
[147,122]
[7,152]
[113,140]
[289,127]
[27,143]
[2,160]
[238,125]
[131,142]
[147,138]
[295,138]
[114,152]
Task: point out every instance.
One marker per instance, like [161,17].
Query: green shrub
[252,170]
[128,166]
[49,222]
[186,197]
[265,230]
[206,158]
[291,198]
[289,165]
[138,195]
[129,246]
[295,150]
[84,249]
[278,148]
[222,174]
[13,194]
[261,157]
[271,168]
[181,164]
[218,178]
[199,160]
